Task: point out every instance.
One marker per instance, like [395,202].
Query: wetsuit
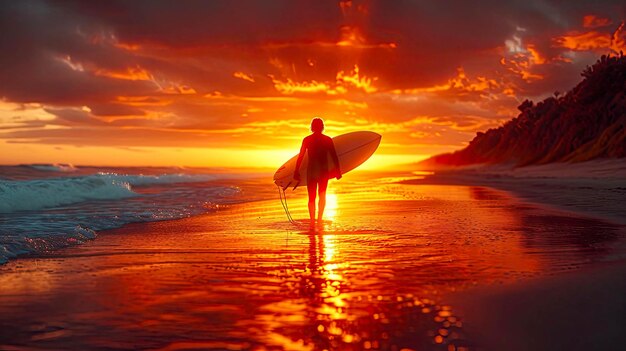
[318,146]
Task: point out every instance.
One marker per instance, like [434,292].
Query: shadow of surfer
[319,148]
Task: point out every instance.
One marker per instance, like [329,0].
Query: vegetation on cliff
[586,123]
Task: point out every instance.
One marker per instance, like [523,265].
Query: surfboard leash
[283,202]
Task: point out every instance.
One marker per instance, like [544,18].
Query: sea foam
[39,215]
[29,195]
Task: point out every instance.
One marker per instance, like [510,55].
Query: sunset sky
[236,83]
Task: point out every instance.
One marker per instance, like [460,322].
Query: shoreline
[594,189]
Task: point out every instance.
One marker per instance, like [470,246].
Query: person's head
[317,125]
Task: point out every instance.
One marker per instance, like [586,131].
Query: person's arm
[333,154]
[296,173]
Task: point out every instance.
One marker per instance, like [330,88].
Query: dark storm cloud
[37,41]
[173,64]
[433,39]
[199,23]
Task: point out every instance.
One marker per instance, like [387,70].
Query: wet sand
[384,273]
[581,310]
[594,188]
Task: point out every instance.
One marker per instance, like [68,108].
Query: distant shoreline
[594,188]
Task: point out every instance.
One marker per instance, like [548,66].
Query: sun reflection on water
[335,313]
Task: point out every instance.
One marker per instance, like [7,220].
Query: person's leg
[311,186]
[323,184]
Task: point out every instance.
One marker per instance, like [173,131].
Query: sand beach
[395,266]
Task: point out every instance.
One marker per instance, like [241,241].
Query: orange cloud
[521,64]
[594,40]
[142,101]
[130,73]
[290,87]
[343,82]
[460,83]
[592,21]
[243,76]
[126,46]
[585,41]
[520,58]
[178,89]
[351,36]
[536,58]
[353,78]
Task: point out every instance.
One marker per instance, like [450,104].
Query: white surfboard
[352,150]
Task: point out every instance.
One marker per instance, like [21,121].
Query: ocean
[46,206]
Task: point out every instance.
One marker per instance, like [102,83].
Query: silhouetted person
[320,147]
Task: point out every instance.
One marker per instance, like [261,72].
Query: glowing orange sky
[227,83]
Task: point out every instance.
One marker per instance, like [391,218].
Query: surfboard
[352,150]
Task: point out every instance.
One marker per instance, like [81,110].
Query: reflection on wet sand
[244,278]
[327,312]
[571,238]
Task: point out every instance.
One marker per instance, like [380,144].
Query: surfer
[319,147]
